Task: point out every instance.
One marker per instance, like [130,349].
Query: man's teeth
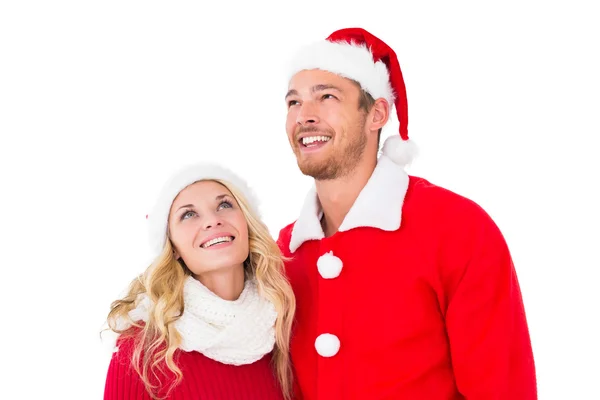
[311,139]
[217,240]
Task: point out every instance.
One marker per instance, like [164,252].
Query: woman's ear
[176,254]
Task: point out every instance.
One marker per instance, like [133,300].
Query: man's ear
[379,114]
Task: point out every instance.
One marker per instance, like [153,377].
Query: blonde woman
[211,317]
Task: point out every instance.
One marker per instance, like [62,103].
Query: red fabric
[384,53]
[431,311]
[203,379]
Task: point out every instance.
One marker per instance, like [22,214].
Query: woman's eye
[328,96]
[292,103]
[225,204]
[188,215]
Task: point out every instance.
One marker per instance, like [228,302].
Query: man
[404,290]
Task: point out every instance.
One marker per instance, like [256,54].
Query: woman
[211,317]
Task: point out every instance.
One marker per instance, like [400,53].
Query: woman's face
[208,229]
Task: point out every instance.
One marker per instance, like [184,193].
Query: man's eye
[328,96]
[292,103]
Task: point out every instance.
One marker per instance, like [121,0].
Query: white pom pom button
[329,266]
[327,345]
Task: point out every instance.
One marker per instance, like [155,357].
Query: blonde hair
[157,340]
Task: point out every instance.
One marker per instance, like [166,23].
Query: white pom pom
[329,266]
[402,152]
[327,345]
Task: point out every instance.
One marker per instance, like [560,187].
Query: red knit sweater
[203,379]
[430,311]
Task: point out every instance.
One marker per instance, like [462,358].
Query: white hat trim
[350,61]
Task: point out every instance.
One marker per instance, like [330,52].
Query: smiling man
[404,290]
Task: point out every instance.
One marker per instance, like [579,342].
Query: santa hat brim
[348,60]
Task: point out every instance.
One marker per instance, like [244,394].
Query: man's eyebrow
[291,92]
[318,88]
[314,89]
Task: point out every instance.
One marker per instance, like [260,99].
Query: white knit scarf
[232,332]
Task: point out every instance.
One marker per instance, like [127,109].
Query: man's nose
[307,115]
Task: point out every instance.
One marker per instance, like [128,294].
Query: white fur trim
[402,152]
[348,60]
[327,345]
[329,266]
[158,218]
[378,205]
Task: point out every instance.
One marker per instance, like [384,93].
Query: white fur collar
[379,205]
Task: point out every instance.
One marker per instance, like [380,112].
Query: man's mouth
[314,141]
[217,240]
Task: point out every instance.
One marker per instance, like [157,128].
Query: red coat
[421,299]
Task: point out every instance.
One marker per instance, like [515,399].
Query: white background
[101,101]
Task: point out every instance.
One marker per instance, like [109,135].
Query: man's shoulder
[457,220]
[424,196]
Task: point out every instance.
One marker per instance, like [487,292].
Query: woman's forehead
[201,191]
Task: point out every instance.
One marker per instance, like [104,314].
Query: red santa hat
[356,54]
[158,218]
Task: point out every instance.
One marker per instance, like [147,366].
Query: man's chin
[318,171]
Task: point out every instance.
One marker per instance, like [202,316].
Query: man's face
[325,126]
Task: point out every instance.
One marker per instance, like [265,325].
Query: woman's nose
[211,222]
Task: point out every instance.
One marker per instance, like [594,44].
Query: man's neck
[338,195]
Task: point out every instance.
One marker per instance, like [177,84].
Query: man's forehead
[317,88]
[318,82]
[315,75]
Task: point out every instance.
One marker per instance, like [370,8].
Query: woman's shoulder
[121,377]
[125,346]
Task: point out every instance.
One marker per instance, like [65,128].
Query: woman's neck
[227,283]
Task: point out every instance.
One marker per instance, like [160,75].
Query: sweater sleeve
[122,381]
[485,318]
